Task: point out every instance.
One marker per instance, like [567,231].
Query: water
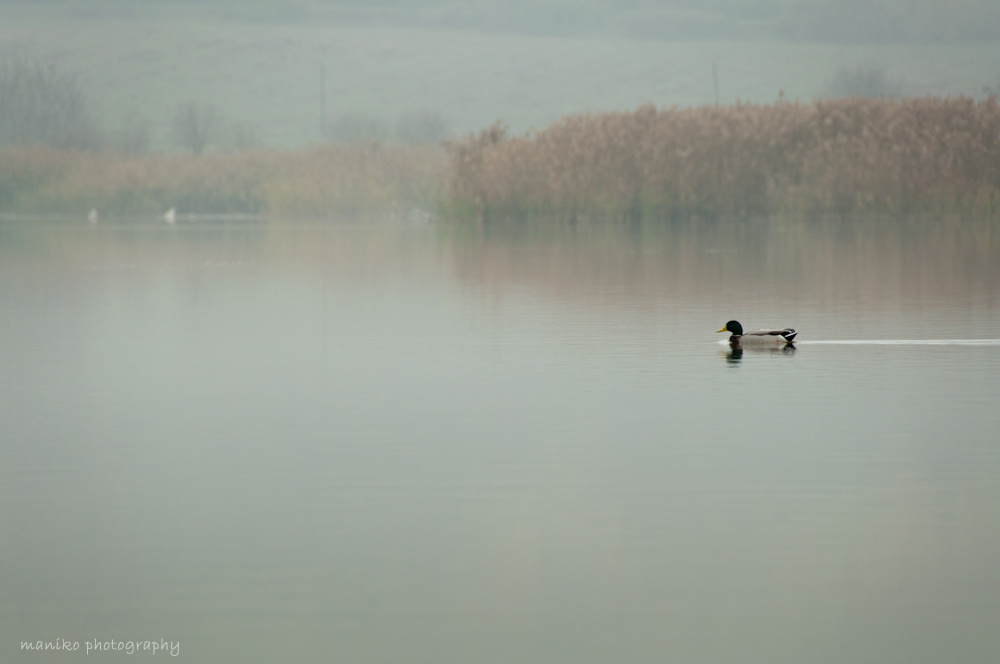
[380,442]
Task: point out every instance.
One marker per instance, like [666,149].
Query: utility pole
[715,82]
[322,102]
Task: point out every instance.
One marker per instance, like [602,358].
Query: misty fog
[290,74]
[388,331]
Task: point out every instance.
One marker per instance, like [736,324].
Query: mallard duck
[758,337]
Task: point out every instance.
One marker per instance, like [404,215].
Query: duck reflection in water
[735,353]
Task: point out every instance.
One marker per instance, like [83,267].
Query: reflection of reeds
[822,266]
[332,179]
[840,155]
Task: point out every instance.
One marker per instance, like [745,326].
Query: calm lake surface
[389,442]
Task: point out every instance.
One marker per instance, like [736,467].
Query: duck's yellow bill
[722,330]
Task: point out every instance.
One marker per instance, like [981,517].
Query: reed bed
[320,181]
[841,156]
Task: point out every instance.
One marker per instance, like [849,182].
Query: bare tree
[872,80]
[194,125]
[358,128]
[238,136]
[421,127]
[41,106]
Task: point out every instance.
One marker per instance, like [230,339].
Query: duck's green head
[733,327]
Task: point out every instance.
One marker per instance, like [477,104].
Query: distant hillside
[843,21]
[300,73]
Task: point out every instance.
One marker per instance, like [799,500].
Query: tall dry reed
[833,156]
[841,156]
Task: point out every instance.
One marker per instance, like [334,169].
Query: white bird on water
[170,216]
[92,216]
